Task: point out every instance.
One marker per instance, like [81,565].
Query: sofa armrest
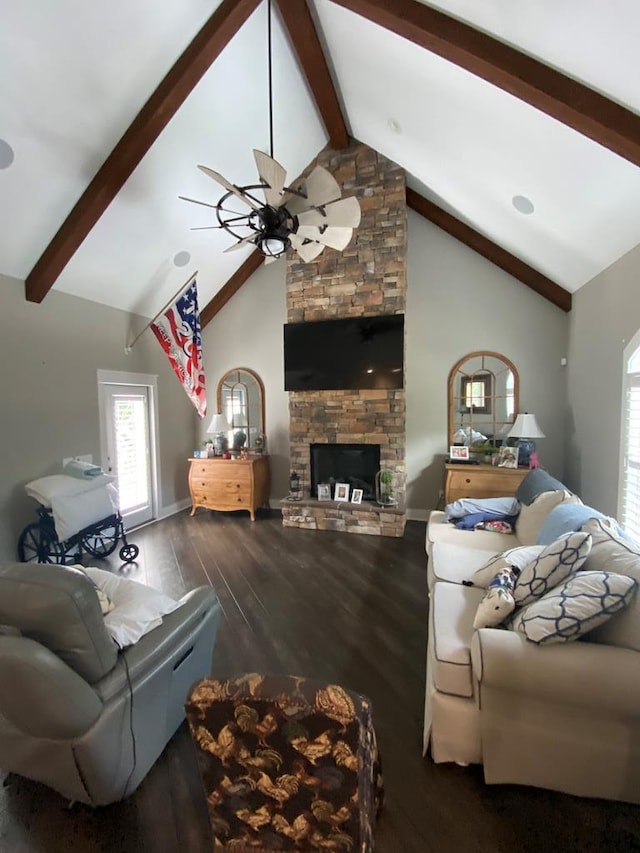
[41,695]
[577,673]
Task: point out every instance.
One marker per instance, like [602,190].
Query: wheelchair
[39,542]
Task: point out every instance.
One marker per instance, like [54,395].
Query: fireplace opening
[355,464]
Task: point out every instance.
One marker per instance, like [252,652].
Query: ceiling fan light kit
[305,218]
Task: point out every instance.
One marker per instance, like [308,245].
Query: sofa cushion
[552,566]
[513,558]
[498,602]
[439,530]
[533,515]
[611,551]
[535,483]
[575,607]
[455,563]
[565,518]
[453,608]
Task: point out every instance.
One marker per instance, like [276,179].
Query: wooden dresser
[480,481]
[228,484]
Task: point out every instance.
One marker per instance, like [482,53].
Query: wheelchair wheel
[128,553]
[37,546]
[102,541]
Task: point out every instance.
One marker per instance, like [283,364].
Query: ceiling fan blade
[307,251]
[195,201]
[270,259]
[344,213]
[229,186]
[336,238]
[273,174]
[241,243]
[311,217]
[321,187]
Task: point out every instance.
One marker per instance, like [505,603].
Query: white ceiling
[76,74]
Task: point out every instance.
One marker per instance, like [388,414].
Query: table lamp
[219,427]
[525,429]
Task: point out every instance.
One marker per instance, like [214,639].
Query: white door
[127,430]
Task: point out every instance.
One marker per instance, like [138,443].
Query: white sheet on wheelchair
[75,503]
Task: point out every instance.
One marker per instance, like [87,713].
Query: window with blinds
[630,479]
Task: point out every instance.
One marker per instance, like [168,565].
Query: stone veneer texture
[367,278]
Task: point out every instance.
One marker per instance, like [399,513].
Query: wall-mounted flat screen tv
[351,353]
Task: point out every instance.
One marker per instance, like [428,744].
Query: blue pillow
[535,483]
[565,518]
[468,522]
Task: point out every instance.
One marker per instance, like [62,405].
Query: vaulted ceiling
[492,109]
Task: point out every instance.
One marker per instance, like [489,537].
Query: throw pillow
[535,483]
[553,565]
[612,551]
[563,519]
[497,603]
[532,516]
[137,608]
[106,605]
[514,558]
[577,606]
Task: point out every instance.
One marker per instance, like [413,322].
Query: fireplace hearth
[355,464]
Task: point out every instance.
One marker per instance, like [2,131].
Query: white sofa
[563,716]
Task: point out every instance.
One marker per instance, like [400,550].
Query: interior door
[128,458]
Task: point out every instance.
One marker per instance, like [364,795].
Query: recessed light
[394,125]
[7,155]
[523,204]
[182,259]
[370,370]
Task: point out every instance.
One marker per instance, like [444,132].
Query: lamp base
[526,446]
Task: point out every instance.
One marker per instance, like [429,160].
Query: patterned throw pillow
[532,516]
[514,558]
[497,603]
[580,604]
[551,566]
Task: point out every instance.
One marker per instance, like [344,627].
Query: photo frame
[458,451]
[341,492]
[356,496]
[508,456]
[324,492]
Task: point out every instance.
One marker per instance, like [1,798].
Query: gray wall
[49,357]
[456,303]
[605,316]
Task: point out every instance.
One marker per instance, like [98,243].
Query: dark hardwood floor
[346,608]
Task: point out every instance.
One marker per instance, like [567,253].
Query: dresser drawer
[482,481]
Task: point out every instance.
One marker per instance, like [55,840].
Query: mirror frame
[453,373]
[229,379]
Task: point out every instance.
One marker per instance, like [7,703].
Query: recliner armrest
[577,673]
[41,695]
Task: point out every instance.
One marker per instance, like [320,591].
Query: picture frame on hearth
[324,492]
[356,496]
[341,492]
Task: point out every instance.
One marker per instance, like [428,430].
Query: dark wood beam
[489,250]
[244,271]
[298,20]
[137,140]
[567,100]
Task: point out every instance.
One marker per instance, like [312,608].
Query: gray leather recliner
[76,713]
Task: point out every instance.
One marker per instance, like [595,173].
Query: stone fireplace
[367,278]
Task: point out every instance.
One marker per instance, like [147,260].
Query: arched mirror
[484,394]
[241,399]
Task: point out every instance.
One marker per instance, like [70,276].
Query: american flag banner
[177,328]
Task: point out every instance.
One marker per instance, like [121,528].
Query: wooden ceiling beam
[244,271]
[570,102]
[298,20]
[489,250]
[136,141]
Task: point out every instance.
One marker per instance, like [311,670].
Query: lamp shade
[218,423]
[526,426]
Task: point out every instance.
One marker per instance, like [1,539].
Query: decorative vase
[385,488]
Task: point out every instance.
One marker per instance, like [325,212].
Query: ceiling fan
[306,217]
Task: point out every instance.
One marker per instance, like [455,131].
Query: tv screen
[352,353]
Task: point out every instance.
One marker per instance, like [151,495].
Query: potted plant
[384,488]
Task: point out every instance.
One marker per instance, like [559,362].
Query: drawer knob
[467,480]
